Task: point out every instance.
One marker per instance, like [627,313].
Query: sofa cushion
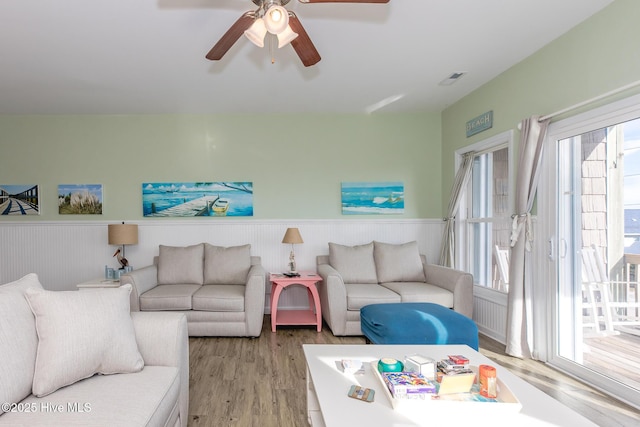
[421,292]
[145,398]
[398,263]
[168,297]
[181,265]
[361,294]
[226,266]
[354,263]
[18,339]
[219,298]
[82,333]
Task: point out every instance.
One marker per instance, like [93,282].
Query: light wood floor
[261,382]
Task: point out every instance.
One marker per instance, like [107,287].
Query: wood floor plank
[242,382]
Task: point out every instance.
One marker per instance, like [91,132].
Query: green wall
[601,54]
[296,162]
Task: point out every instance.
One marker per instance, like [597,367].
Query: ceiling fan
[271,17]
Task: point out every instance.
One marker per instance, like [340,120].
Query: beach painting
[80,199]
[372,198]
[189,199]
[19,199]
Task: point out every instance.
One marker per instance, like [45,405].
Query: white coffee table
[328,404]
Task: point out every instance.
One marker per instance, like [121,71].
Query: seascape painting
[80,199]
[188,199]
[19,199]
[372,198]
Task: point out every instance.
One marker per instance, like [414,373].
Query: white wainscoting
[490,312]
[64,253]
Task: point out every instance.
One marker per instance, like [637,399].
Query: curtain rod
[588,101]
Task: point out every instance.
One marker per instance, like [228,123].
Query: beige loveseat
[355,276]
[221,290]
[81,358]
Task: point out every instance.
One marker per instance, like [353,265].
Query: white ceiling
[148,56]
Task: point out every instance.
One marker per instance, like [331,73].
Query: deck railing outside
[630,292]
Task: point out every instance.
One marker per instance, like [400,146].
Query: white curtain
[519,312]
[447,251]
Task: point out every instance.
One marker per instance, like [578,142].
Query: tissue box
[421,365]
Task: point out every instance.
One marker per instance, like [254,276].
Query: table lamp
[121,235]
[292,236]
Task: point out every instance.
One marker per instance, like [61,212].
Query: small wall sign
[481,123]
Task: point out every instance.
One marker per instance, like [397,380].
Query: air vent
[454,77]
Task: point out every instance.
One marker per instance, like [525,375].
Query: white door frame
[601,117]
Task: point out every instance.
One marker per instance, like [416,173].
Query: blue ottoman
[417,323]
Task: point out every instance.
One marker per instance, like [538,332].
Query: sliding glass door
[590,212]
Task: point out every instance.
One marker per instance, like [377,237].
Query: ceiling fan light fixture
[276,19]
[286,37]
[256,32]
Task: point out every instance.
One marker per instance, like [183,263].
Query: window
[485,213]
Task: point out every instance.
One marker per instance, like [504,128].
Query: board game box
[408,383]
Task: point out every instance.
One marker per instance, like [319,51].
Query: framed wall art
[372,198]
[80,199]
[19,199]
[189,199]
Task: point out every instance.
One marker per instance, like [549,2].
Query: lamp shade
[123,234]
[285,37]
[292,236]
[276,19]
[256,32]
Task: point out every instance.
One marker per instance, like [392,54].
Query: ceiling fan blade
[302,44]
[231,36]
[343,1]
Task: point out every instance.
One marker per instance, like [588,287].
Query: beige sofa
[221,290]
[82,358]
[355,276]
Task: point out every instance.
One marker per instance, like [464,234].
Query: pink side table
[308,279]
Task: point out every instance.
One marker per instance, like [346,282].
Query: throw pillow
[398,263]
[226,266]
[181,265]
[18,340]
[82,333]
[354,263]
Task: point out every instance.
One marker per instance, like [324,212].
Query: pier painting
[188,199]
[79,199]
[19,200]
[372,198]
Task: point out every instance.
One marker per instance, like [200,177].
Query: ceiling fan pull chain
[271,49]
